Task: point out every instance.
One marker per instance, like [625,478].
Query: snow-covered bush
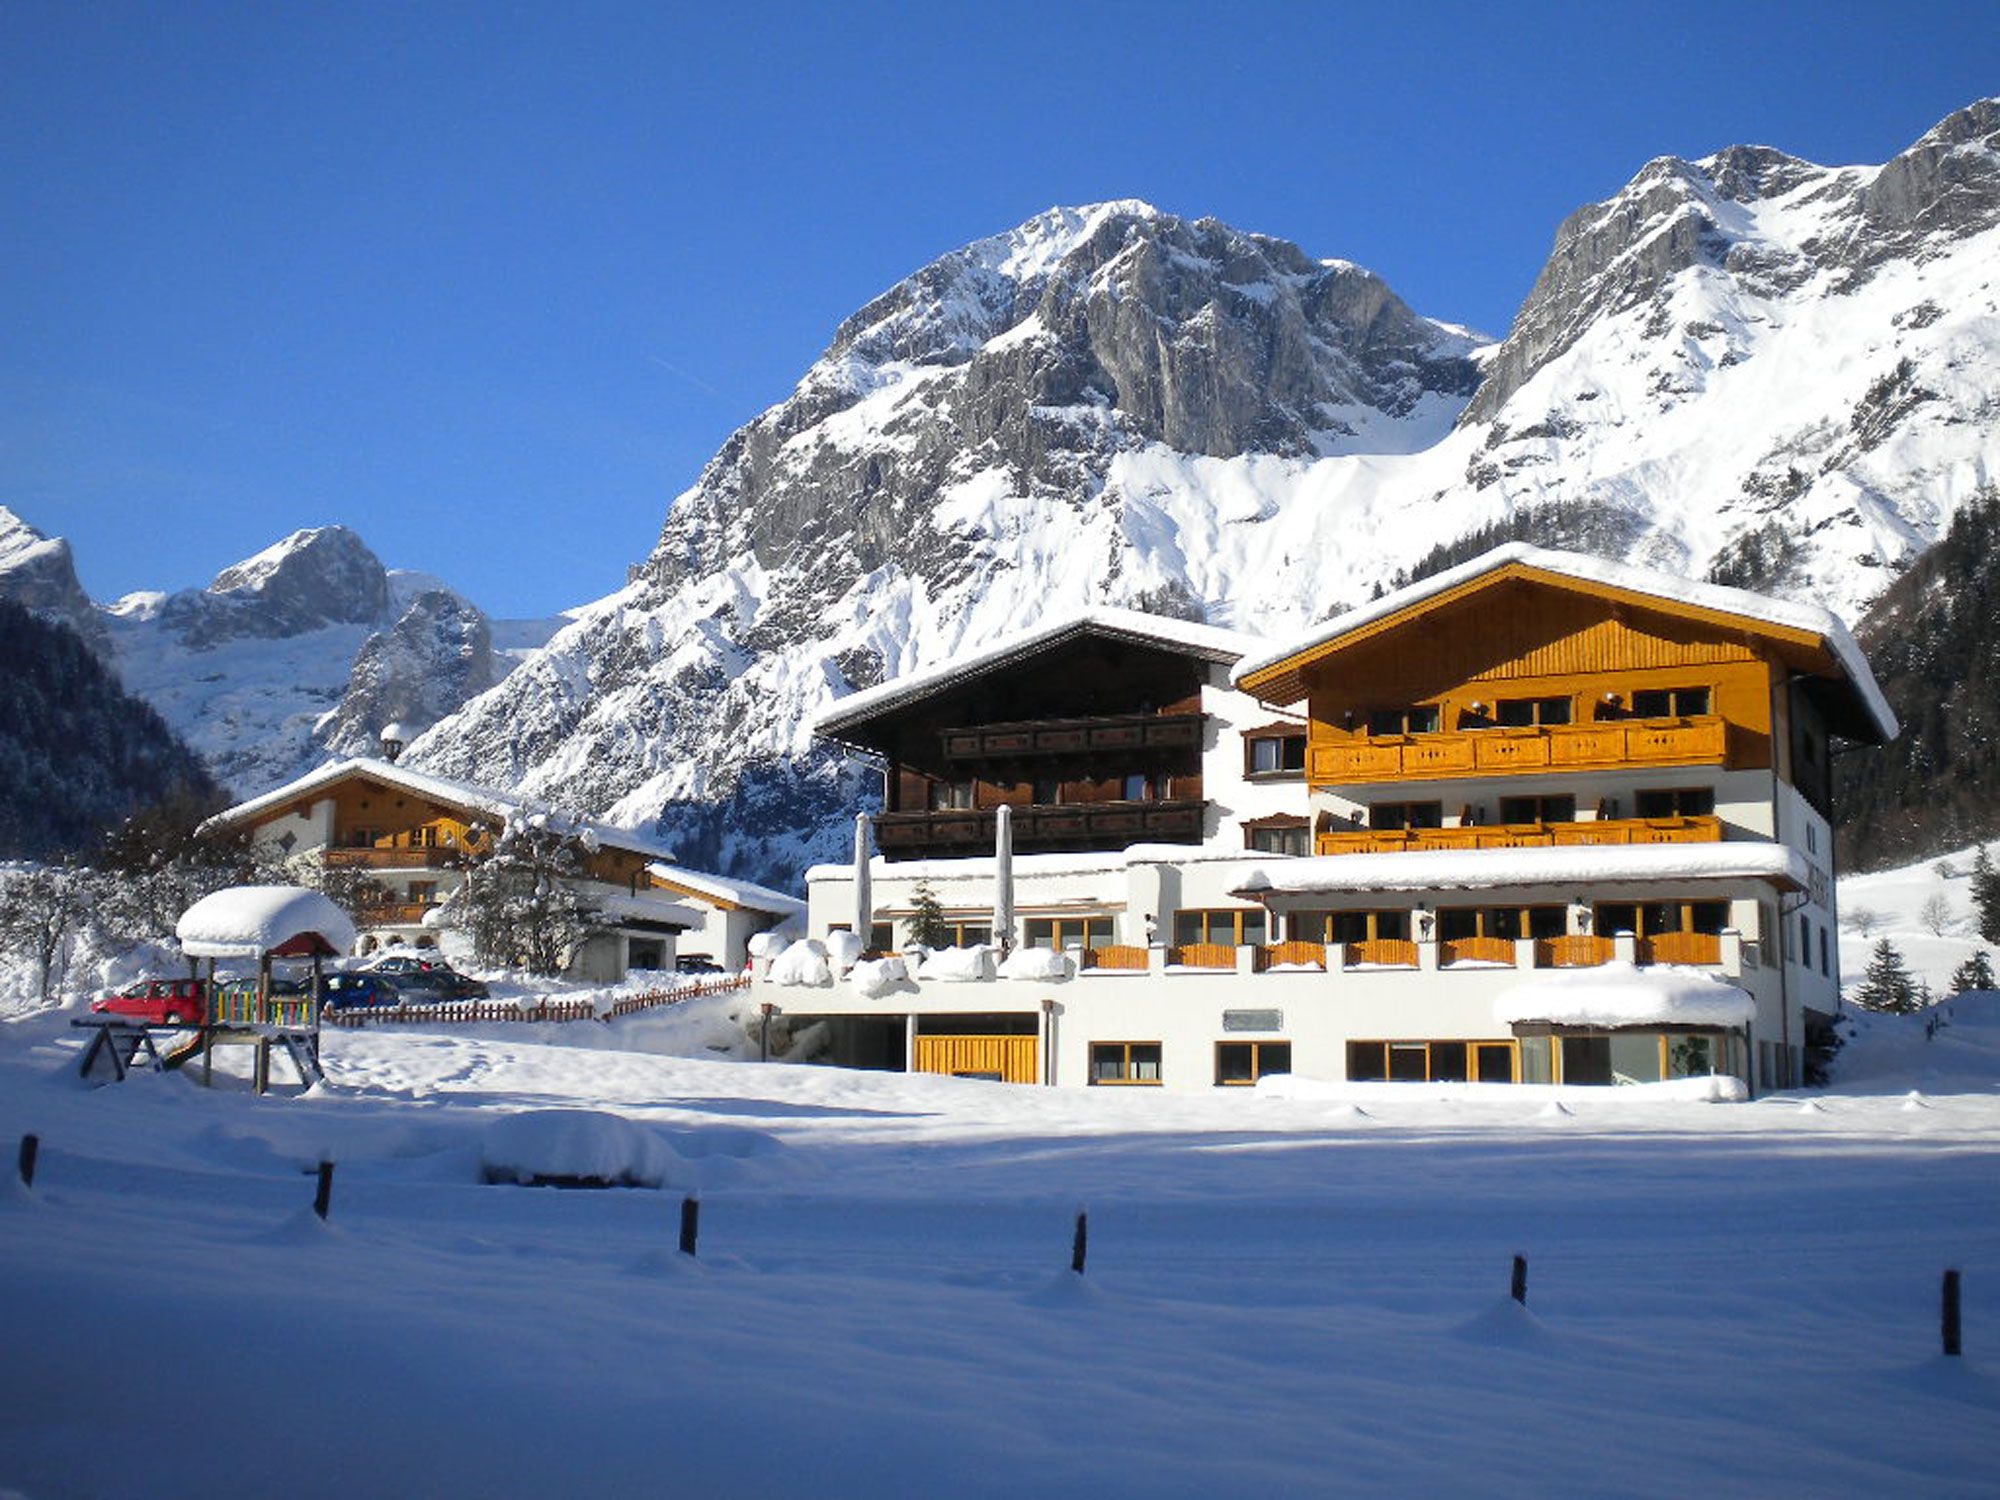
[803,965]
[1040,964]
[766,945]
[843,949]
[876,977]
[574,1146]
[958,964]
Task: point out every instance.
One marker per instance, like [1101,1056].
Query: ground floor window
[1061,932]
[1625,1057]
[1652,918]
[1124,1062]
[1246,1062]
[1456,923]
[1431,1062]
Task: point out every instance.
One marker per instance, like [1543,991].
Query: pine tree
[1976,973]
[927,924]
[1986,896]
[1888,984]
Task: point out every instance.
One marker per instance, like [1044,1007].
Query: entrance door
[1005,1059]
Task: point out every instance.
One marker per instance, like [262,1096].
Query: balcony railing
[1115,956]
[1090,825]
[377,858]
[1500,752]
[1576,951]
[1688,830]
[1051,737]
[1380,953]
[1476,950]
[1681,948]
[1203,956]
[393,914]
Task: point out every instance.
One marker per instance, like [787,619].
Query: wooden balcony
[1203,956]
[1043,738]
[1476,950]
[1499,752]
[393,914]
[1079,825]
[1381,953]
[1690,830]
[394,859]
[1577,951]
[1294,954]
[1124,956]
[1680,948]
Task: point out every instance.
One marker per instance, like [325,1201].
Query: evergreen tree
[927,924]
[1888,984]
[1976,973]
[1986,895]
[521,904]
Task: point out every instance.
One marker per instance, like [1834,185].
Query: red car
[164,1002]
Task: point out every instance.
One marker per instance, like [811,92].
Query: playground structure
[261,922]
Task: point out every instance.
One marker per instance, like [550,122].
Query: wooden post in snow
[1079,1245]
[1518,1290]
[323,1194]
[1949,1315]
[31,1146]
[690,1223]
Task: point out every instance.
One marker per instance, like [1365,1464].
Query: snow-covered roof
[247,921]
[1620,994]
[1670,587]
[1207,641]
[721,888]
[463,795]
[647,909]
[1479,869]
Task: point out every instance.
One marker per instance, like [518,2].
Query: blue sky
[489,283]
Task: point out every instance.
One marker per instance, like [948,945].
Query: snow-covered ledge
[1620,994]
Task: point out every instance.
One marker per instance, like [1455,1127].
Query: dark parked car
[402,964]
[164,1002]
[360,991]
[697,963]
[430,986]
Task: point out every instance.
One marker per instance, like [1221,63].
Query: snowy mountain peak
[38,573]
[322,575]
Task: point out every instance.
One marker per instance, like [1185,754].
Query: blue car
[360,992]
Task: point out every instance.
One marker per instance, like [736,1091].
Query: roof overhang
[1810,640]
[1586,866]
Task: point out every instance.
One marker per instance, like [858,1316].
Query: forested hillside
[1934,641]
[77,753]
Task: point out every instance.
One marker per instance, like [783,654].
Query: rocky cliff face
[436,656]
[38,573]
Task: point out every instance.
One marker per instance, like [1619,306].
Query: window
[1060,932]
[1538,809]
[1275,754]
[1670,703]
[1652,918]
[1124,1062]
[1421,719]
[967,934]
[1046,793]
[1246,1062]
[1805,940]
[1139,787]
[1825,964]
[1279,840]
[423,892]
[950,795]
[1507,922]
[1676,802]
[1406,815]
[1232,927]
[1348,926]
[1526,713]
[1430,1062]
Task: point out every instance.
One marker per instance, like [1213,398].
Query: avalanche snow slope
[1283,1297]
[1751,363]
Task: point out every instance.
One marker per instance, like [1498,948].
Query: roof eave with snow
[1257,673]
[1204,641]
[1588,865]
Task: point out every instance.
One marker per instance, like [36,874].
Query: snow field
[1284,1295]
[1896,898]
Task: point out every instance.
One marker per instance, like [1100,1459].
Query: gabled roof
[1204,641]
[725,892]
[1278,675]
[462,795]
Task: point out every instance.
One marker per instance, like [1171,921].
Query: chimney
[394,737]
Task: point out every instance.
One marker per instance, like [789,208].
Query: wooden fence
[470,1012]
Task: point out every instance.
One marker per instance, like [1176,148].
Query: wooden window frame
[1538,708]
[1254,738]
[1676,708]
[1542,807]
[1472,1046]
[1127,1080]
[1236,914]
[1404,809]
[1257,1070]
[1059,940]
[1372,916]
[1685,915]
[1429,715]
[1296,830]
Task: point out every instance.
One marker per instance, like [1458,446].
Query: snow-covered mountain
[1785,373]
[295,655]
